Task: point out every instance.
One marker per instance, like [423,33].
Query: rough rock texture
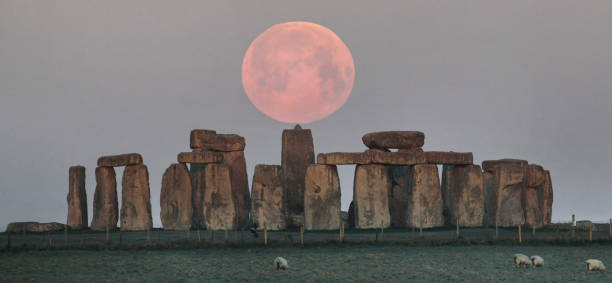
[120,160]
[504,184]
[338,158]
[424,207]
[240,185]
[397,158]
[394,139]
[534,181]
[176,199]
[267,198]
[105,204]
[219,209]
[398,199]
[136,199]
[217,142]
[441,157]
[297,154]
[19,227]
[371,196]
[77,198]
[199,157]
[322,198]
[546,199]
[198,135]
[463,195]
[196,171]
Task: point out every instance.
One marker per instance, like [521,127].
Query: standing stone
[196,171]
[463,195]
[240,185]
[351,215]
[105,206]
[371,196]
[546,199]
[297,155]
[77,198]
[424,207]
[535,178]
[176,200]
[398,202]
[322,198]
[136,199]
[267,198]
[219,210]
[504,184]
[209,140]
[411,140]
[120,160]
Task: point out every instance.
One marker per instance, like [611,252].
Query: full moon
[298,72]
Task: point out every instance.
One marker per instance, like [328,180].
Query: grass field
[331,262]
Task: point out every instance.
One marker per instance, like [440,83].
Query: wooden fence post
[265,235]
[199,239]
[591,232]
[340,232]
[520,234]
[457,228]
[302,235]
[573,226]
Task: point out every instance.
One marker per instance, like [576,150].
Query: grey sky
[522,79]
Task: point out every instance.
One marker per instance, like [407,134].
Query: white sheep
[595,265]
[281,263]
[521,259]
[537,261]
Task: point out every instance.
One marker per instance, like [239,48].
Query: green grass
[348,262]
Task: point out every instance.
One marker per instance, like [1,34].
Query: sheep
[537,261]
[595,265]
[281,263]
[521,259]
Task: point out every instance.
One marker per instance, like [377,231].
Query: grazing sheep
[281,263]
[537,261]
[595,265]
[521,259]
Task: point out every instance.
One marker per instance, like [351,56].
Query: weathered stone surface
[240,186]
[197,135]
[535,175]
[504,184]
[135,199]
[176,199]
[219,208]
[297,154]
[267,198]
[545,196]
[463,195]
[371,196]
[200,157]
[120,160]
[217,142]
[338,158]
[397,158]
[442,157]
[77,198]
[196,171]
[105,205]
[351,215]
[19,227]
[322,198]
[424,207]
[394,139]
[398,199]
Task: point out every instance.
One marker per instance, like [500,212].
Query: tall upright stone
[105,205]
[463,195]
[196,172]
[240,185]
[398,198]
[424,207]
[322,198]
[176,199]
[219,210]
[535,179]
[77,198]
[297,155]
[371,196]
[504,184]
[267,197]
[136,199]
[546,199]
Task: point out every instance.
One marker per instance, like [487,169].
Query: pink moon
[298,72]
